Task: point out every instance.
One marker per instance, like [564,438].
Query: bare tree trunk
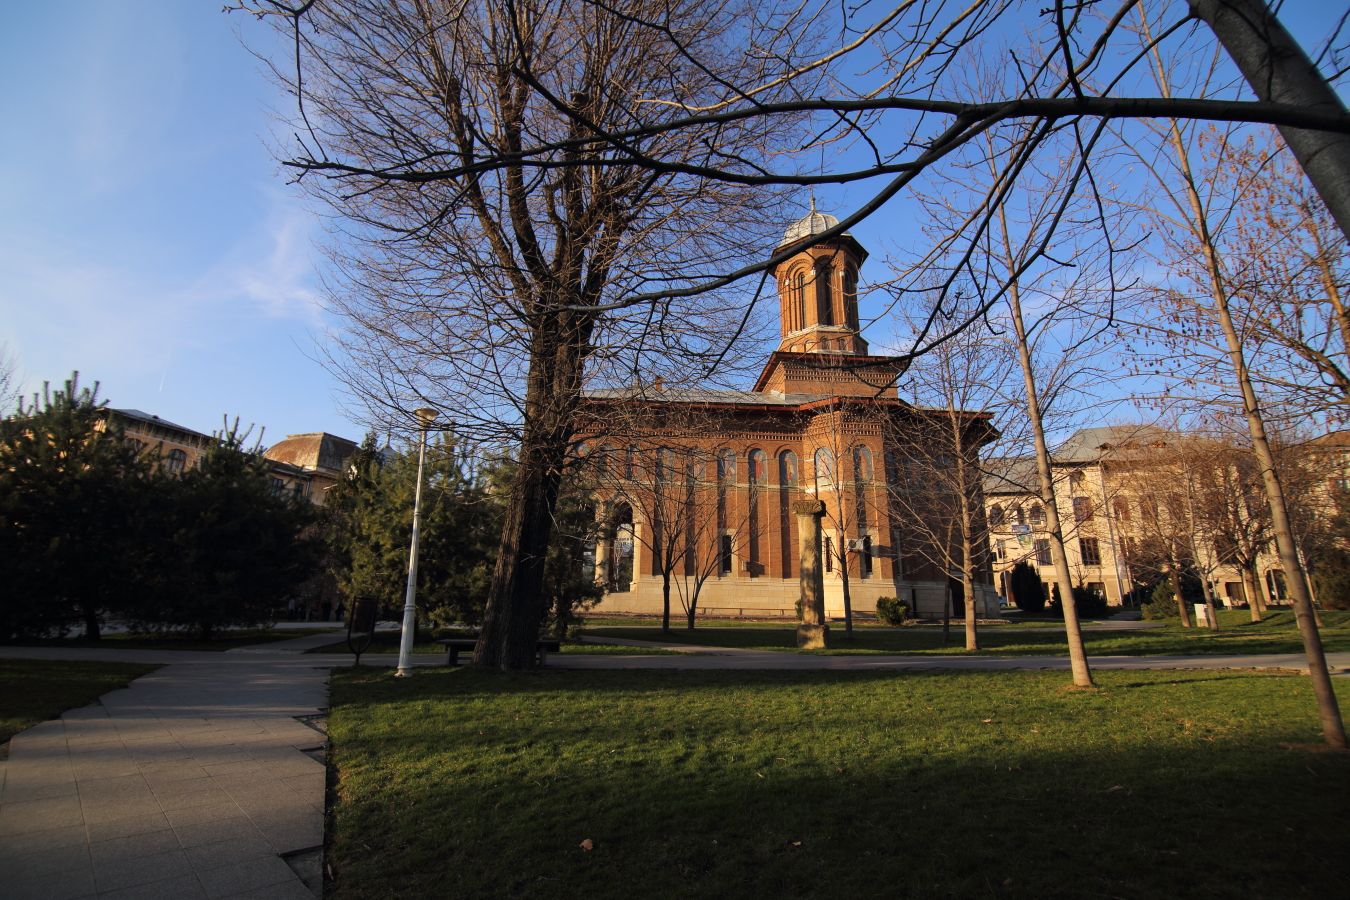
[843,578]
[514,609]
[665,599]
[1082,674]
[1253,594]
[1209,604]
[1278,71]
[1175,580]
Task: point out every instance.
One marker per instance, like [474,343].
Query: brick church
[697,486]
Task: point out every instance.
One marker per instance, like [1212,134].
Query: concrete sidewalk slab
[191,782]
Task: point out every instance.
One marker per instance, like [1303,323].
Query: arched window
[862,476]
[797,301]
[1121,506]
[1019,516]
[851,297]
[758,463]
[824,293]
[862,463]
[176,462]
[601,460]
[1037,514]
[824,470]
[726,467]
[787,486]
[995,516]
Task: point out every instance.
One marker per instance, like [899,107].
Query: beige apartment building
[1109,514]
[307,465]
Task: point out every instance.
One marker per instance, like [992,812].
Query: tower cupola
[818,289]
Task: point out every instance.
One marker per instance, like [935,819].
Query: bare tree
[494,288]
[941,492]
[1199,203]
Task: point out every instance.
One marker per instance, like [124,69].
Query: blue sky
[147,236]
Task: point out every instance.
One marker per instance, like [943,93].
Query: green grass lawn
[791,784]
[1237,634]
[124,640]
[33,691]
[387,642]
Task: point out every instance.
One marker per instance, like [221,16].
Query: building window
[797,300]
[176,462]
[1042,552]
[1122,508]
[1097,588]
[1037,514]
[824,471]
[824,294]
[1019,515]
[725,558]
[865,560]
[829,554]
[995,516]
[277,485]
[851,297]
[1076,479]
[998,551]
[1082,509]
[1092,554]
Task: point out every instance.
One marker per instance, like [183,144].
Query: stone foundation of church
[732,597]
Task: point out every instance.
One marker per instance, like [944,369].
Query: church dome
[809,225]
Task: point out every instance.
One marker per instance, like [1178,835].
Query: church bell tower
[818,290]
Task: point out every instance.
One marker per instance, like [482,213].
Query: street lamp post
[425,416]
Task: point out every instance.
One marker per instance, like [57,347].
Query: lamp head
[425,416]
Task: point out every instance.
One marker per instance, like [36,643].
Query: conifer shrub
[1025,585]
[892,610]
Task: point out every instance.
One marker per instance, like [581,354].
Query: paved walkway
[202,779]
[191,782]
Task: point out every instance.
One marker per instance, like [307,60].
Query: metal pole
[405,644]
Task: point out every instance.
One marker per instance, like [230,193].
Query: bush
[1331,580]
[1162,604]
[892,610]
[1025,585]
[1089,604]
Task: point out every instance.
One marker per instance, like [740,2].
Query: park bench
[542,648]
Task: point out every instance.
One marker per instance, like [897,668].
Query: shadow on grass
[770,784]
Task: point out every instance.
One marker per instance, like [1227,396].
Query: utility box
[1202,616]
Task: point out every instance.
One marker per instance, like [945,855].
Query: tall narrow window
[724,554]
[1090,551]
[1082,509]
[1042,552]
[755,469]
[787,487]
[851,297]
[824,293]
[865,558]
[797,302]
[828,554]
[176,462]
[824,471]
[1037,515]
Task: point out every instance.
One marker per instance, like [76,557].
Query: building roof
[1017,475]
[149,419]
[314,450]
[702,395]
[810,225]
[1010,475]
[1111,441]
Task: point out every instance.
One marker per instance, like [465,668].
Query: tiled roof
[703,395]
[316,450]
